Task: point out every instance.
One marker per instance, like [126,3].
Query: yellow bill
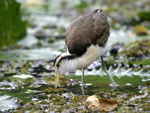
[56,80]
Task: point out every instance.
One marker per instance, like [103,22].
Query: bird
[86,41]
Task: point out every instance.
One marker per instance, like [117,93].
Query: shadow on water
[95,84]
[90,90]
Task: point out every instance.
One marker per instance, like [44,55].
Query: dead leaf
[92,101]
[108,105]
[95,104]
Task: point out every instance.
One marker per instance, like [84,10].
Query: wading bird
[86,41]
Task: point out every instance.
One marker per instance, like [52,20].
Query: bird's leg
[82,79]
[114,85]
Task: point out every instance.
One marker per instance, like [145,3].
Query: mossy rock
[140,30]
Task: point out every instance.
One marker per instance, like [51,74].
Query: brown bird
[86,40]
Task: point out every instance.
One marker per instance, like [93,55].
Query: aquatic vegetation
[35,91]
[77,103]
[144,15]
[12,26]
[118,72]
[7,102]
[30,84]
[136,50]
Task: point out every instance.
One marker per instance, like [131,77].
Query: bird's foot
[113,85]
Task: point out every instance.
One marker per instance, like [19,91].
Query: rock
[140,30]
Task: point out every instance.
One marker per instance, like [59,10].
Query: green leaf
[144,15]
[12,27]
[7,102]
[119,72]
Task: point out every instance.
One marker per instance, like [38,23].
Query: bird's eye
[98,11]
[57,65]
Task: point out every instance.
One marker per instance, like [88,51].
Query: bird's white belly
[92,53]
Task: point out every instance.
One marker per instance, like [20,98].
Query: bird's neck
[92,53]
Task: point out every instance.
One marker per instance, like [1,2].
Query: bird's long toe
[114,85]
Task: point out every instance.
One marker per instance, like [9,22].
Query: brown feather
[92,28]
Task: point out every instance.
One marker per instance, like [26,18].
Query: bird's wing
[92,28]
[101,28]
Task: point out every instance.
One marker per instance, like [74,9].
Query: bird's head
[60,63]
[63,63]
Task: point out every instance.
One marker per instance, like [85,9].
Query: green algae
[75,103]
[136,52]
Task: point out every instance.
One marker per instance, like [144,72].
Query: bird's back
[92,28]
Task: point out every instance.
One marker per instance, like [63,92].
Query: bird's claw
[113,85]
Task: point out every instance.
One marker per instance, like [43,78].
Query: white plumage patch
[92,53]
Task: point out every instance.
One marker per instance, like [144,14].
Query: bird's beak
[56,80]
